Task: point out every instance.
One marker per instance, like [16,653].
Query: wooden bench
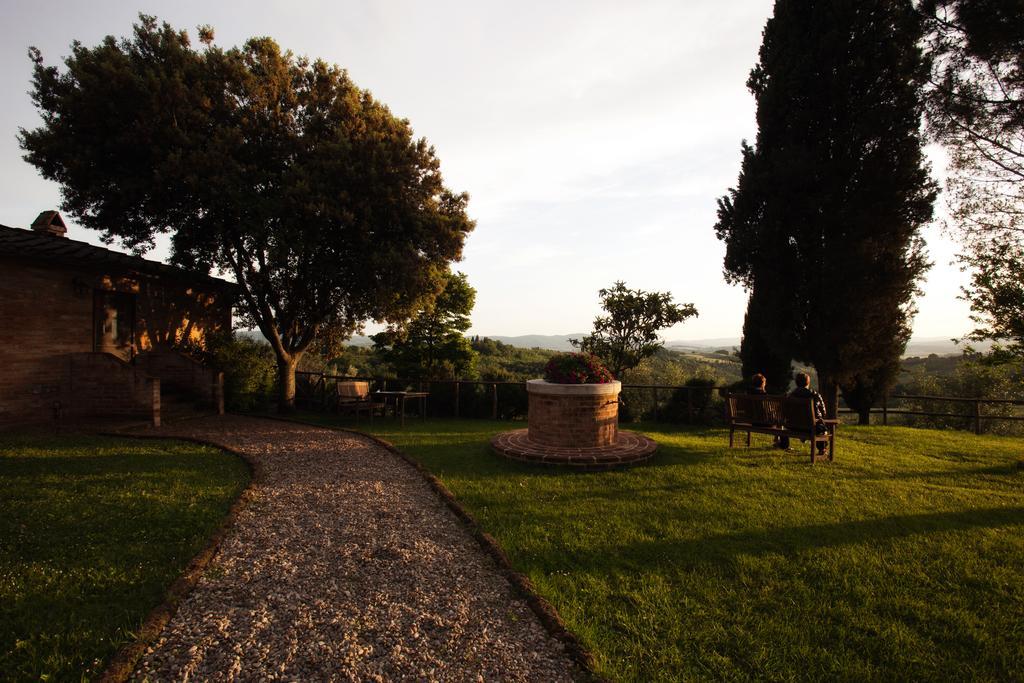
[354,397]
[779,416]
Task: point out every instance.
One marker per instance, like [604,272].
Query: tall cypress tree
[766,347]
[830,200]
[757,261]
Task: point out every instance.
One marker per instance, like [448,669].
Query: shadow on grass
[105,466]
[722,548]
[952,473]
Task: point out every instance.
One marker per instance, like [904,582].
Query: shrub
[576,368]
[696,401]
[249,367]
[702,393]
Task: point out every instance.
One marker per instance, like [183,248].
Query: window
[114,323]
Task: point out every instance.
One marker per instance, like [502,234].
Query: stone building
[88,331]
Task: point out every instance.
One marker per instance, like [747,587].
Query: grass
[903,560]
[92,532]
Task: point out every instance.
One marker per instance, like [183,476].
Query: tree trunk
[864,415]
[286,384]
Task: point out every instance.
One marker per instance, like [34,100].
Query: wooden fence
[975,415]
[507,400]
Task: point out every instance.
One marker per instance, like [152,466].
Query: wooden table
[400,397]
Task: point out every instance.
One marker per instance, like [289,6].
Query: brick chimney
[51,223]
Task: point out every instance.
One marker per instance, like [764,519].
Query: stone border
[546,613]
[629,448]
[542,386]
[120,667]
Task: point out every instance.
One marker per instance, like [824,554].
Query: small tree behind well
[629,332]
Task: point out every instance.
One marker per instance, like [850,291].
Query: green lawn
[93,530]
[903,560]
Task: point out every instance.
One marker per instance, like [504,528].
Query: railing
[508,400]
[975,416]
[670,403]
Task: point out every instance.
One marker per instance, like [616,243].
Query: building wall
[46,316]
[96,384]
[42,318]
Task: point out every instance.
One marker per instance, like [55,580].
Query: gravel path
[345,565]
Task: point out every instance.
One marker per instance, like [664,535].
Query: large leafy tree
[432,344]
[827,211]
[273,168]
[976,109]
[629,332]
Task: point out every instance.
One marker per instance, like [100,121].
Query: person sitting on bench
[757,387]
[803,390]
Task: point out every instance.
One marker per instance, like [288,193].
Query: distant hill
[703,345]
[360,340]
[940,346]
[918,346]
[552,342]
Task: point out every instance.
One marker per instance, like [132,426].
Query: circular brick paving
[628,448]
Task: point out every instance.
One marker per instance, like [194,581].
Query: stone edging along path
[179,599]
[120,667]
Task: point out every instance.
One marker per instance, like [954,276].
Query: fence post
[654,390]
[218,392]
[689,405]
[977,416]
[494,401]
[456,398]
[885,408]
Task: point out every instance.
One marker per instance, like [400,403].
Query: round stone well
[575,425]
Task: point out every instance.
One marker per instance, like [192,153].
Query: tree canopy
[976,109]
[275,169]
[433,345]
[629,332]
[823,225]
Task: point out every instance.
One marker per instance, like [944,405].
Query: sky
[593,137]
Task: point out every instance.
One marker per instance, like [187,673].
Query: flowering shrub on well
[576,368]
